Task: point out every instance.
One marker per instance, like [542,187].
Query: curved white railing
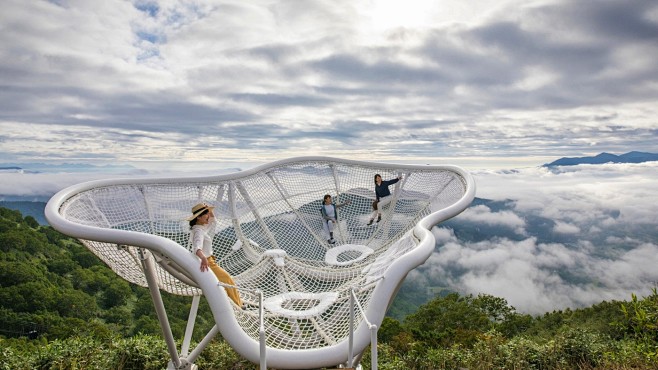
[273,207]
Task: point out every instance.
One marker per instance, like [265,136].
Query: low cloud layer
[541,238]
[570,237]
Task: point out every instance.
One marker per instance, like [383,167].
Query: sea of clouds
[542,238]
[565,237]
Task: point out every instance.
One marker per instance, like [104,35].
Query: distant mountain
[630,157]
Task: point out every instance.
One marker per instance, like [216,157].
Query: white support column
[149,273]
[373,347]
[261,332]
[190,326]
[350,353]
[252,207]
[203,344]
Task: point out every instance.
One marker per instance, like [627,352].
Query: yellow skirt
[225,278]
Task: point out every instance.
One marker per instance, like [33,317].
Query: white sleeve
[197,239]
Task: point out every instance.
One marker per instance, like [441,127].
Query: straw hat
[198,209]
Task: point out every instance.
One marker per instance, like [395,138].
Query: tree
[446,321]
[390,328]
[12,240]
[75,303]
[31,222]
[115,294]
[15,272]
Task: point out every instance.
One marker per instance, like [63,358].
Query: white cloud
[607,254]
[565,228]
[575,194]
[476,79]
[482,214]
[531,276]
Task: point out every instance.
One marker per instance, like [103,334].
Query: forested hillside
[61,308]
[52,287]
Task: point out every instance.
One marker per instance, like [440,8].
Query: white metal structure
[271,240]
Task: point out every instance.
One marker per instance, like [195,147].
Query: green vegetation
[52,287]
[484,332]
[61,308]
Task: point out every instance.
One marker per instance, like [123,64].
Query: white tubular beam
[350,353]
[257,216]
[149,273]
[203,344]
[373,347]
[190,325]
[261,331]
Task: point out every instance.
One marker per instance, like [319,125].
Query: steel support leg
[149,273]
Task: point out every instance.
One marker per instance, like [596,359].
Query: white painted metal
[271,207]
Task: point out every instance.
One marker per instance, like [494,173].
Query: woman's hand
[204,264]
[204,260]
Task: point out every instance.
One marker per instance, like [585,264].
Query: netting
[270,237]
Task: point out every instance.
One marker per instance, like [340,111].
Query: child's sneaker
[331,241]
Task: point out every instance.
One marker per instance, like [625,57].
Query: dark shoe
[370,222]
[249,306]
[331,241]
[379,218]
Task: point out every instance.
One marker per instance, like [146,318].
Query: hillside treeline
[61,308]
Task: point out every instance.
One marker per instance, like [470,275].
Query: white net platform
[270,238]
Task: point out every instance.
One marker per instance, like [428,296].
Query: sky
[477,83]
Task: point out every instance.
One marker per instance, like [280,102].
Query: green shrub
[388,358]
[140,352]
[640,322]
[578,348]
[75,353]
[219,355]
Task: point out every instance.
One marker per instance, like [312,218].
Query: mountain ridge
[602,158]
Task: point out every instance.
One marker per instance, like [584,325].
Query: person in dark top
[382,196]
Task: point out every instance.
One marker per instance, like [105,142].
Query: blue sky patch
[149,8]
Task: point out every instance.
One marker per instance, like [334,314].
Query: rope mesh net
[270,237]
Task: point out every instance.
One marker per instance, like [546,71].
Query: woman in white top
[202,224]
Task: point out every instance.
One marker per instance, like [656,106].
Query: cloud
[542,239]
[266,80]
[590,235]
[536,278]
[41,186]
[565,228]
[482,214]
